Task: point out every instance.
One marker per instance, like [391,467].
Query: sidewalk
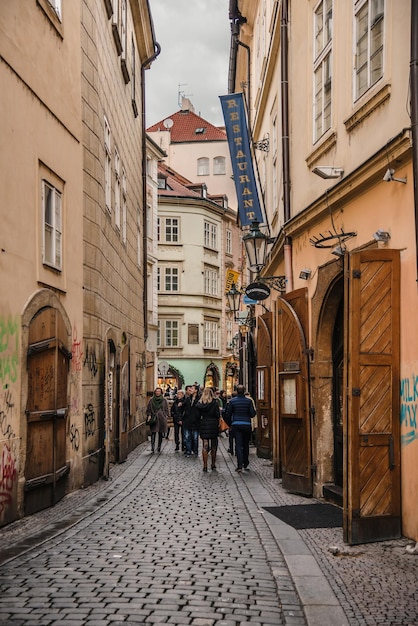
[329,583]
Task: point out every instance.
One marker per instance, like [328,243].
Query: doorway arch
[327,381]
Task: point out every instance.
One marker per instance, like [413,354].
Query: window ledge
[326,143]
[51,14]
[373,102]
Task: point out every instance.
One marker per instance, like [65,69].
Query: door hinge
[314,469]
[356,273]
[310,352]
[312,412]
[356,391]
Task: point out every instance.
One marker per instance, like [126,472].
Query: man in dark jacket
[191,421]
[177,413]
[239,412]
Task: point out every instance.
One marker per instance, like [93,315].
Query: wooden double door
[370,395]
[48,361]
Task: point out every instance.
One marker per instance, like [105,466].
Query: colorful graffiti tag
[409,408]
[9,355]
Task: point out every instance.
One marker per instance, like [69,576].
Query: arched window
[203,166]
[219,165]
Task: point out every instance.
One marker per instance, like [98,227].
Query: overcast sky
[194,36]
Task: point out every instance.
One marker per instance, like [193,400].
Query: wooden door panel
[40,448]
[293,391]
[263,387]
[371,421]
[46,411]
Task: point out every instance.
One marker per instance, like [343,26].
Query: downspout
[157,48]
[414,111]
[285,140]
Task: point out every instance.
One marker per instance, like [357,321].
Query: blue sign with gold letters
[249,209]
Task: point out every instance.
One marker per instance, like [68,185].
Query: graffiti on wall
[89,421]
[409,409]
[9,355]
[77,353]
[8,476]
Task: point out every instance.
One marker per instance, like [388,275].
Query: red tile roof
[179,186]
[188,127]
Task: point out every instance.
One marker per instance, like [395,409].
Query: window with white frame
[168,333]
[211,335]
[228,245]
[56,5]
[229,333]
[171,229]
[170,277]
[322,67]
[219,165]
[52,226]
[211,279]
[108,166]
[124,205]
[133,78]
[117,189]
[369,23]
[211,235]
[203,166]
[168,229]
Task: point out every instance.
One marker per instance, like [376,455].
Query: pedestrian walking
[240,410]
[253,439]
[191,421]
[209,413]
[157,416]
[227,419]
[177,414]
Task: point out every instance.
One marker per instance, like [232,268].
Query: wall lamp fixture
[328,171]
[256,246]
[389,176]
[305,274]
[381,235]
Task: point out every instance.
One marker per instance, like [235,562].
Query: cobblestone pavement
[162,542]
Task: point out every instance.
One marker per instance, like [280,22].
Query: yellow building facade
[329,86]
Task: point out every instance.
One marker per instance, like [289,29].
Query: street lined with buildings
[162,542]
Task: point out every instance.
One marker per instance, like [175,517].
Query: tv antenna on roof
[182,94]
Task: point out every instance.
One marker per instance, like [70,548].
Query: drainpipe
[157,49]
[414,111]
[285,140]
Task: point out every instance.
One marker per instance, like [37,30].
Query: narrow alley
[162,542]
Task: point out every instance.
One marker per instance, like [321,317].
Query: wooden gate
[371,421]
[263,387]
[294,413]
[48,364]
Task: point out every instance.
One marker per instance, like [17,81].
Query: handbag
[152,420]
[223,426]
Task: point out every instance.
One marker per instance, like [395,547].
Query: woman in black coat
[209,412]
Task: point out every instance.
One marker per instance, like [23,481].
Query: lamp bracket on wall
[328,241]
[263,144]
[276,282]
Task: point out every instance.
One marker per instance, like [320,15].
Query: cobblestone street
[162,542]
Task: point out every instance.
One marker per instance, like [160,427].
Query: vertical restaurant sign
[249,209]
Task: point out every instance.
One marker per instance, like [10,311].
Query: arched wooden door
[264,387]
[293,401]
[48,364]
[372,507]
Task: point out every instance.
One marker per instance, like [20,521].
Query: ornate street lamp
[233,297]
[256,247]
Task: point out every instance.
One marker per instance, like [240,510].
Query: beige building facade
[330,84]
[72,354]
